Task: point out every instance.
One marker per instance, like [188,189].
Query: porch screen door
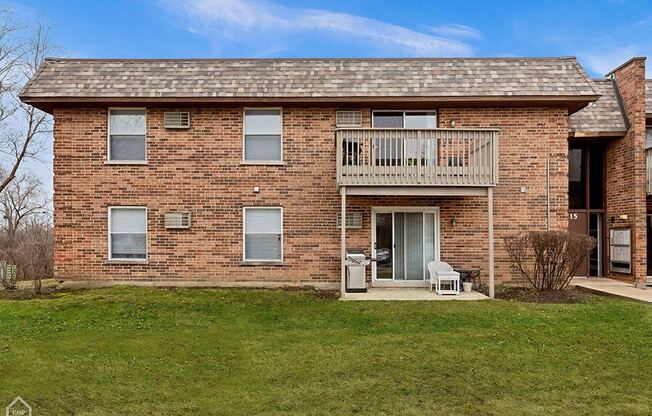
[405,244]
[412,245]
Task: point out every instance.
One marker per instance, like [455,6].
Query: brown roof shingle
[603,115]
[310,78]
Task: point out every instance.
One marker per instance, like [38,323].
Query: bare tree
[22,199]
[25,229]
[34,250]
[21,126]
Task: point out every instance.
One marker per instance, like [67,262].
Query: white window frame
[404,209]
[111,258]
[260,162]
[404,112]
[244,236]
[110,161]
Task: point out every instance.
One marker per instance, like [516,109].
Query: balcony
[417,158]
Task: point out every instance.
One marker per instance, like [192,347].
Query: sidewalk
[606,286]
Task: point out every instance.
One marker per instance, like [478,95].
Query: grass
[234,352]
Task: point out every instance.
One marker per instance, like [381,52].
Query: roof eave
[572,102]
[597,133]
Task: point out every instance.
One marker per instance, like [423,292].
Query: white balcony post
[490,220]
[343,241]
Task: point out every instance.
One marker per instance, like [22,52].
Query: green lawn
[135,351]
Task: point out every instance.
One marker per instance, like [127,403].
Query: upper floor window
[127,233]
[405,119]
[403,150]
[263,135]
[586,177]
[127,132]
[648,137]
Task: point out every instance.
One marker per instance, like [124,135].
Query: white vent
[176,119]
[349,119]
[353,220]
[177,220]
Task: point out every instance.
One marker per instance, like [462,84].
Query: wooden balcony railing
[419,157]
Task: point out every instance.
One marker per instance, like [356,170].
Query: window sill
[262,263]
[263,162]
[125,162]
[134,262]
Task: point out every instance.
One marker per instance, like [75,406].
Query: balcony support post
[343,241]
[490,238]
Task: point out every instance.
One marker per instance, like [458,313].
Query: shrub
[548,259]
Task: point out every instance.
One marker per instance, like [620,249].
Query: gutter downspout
[548,193]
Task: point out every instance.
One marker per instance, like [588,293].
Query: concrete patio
[377,293]
[612,287]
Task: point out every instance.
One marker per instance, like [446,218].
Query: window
[576,179]
[648,137]
[348,118]
[353,219]
[127,130]
[263,234]
[586,176]
[399,151]
[405,119]
[127,233]
[262,135]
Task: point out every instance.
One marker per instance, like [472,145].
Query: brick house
[239,171]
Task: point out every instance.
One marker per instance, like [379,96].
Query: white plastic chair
[443,273]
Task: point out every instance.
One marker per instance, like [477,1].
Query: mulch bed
[523,294]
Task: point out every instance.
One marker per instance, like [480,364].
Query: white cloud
[604,60]
[456,31]
[239,20]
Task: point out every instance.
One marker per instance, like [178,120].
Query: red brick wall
[199,171]
[625,160]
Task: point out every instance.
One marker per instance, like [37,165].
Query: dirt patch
[523,294]
[320,293]
[26,294]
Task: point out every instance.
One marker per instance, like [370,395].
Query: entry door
[405,242]
[578,222]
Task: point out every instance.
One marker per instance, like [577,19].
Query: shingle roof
[648,96]
[604,115]
[309,78]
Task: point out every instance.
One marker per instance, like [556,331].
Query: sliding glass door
[405,241]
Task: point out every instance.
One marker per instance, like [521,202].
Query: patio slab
[606,286]
[377,293]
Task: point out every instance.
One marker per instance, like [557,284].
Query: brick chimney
[625,160]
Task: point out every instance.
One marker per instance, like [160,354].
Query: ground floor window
[263,234]
[127,233]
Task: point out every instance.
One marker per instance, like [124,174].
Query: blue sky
[601,33]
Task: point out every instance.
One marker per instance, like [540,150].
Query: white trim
[110,161]
[261,162]
[404,112]
[244,236]
[122,260]
[409,190]
[393,210]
